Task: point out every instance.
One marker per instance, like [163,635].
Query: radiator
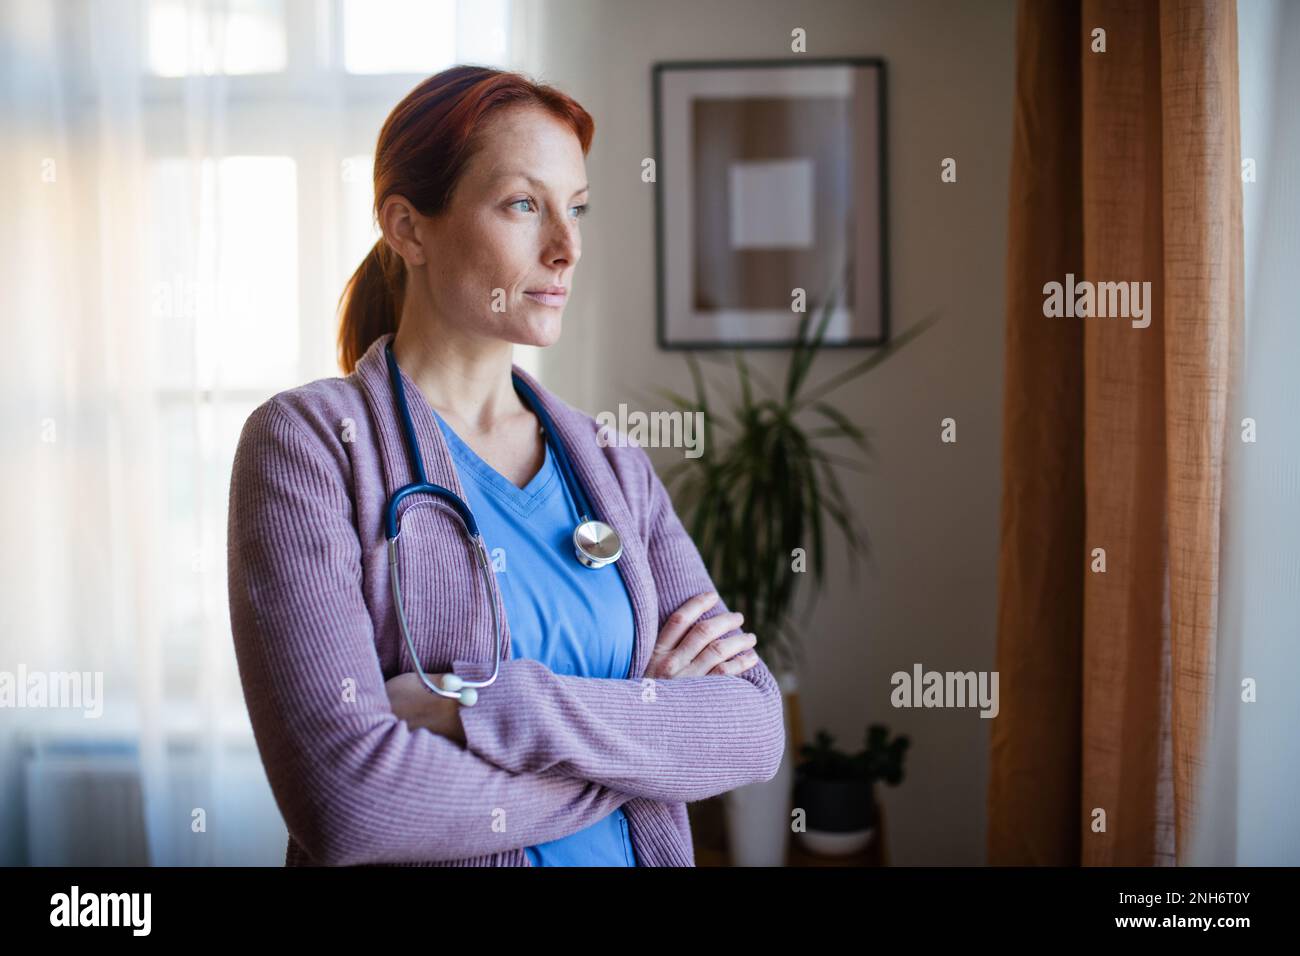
[85,809]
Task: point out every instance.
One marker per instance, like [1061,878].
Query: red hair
[423,149]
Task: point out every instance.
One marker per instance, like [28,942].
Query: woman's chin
[540,336]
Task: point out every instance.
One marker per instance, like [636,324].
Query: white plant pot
[825,843]
[758,814]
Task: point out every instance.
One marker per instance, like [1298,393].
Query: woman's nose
[566,244]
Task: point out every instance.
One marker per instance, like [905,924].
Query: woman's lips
[547,298]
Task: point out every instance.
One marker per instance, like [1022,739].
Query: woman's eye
[581,210]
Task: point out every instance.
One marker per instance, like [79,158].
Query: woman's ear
[401,224]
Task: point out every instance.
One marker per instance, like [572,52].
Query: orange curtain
[1125,168]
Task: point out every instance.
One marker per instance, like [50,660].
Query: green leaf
[745,396]
[681,401]
[839,418]
[882,354]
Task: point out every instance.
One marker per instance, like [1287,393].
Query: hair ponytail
[423,149]
[371,303]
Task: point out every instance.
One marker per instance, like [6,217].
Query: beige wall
[931,508]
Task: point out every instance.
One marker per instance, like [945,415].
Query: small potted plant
[836,791]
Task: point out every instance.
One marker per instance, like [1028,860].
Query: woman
[623,691]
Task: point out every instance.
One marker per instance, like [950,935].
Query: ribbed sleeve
[354,783]
[681,739]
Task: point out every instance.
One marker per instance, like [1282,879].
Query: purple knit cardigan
[546,755]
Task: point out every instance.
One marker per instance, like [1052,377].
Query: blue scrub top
[574,619]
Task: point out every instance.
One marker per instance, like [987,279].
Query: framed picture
[770,178]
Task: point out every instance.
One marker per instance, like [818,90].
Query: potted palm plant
[754,503]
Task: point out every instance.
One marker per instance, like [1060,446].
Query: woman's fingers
[698,638]
[690,647]
[678,624]
[681,621]
[716,652]
[737,665]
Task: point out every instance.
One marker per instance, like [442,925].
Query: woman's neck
[467,381]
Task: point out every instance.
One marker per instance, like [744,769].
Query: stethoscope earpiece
[451,683]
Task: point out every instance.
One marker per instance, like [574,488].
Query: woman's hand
[420,707]
[688,647]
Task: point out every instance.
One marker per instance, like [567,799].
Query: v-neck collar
[574,429]
[524,501]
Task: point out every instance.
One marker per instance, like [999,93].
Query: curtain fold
[1124,170]
[1124,631]
[1204,315]
[1246,816]
[1034,791]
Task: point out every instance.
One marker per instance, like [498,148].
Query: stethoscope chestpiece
[596,544]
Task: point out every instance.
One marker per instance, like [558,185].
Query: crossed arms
[547,755]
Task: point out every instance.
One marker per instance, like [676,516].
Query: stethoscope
[595,544]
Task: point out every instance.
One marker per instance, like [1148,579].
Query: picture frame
[770,176]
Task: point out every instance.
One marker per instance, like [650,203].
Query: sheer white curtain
[186,187]
[1252,773]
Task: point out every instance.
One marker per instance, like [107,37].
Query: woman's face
[510,233]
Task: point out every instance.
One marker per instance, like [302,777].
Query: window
[226,271]
[246,36]
[259,124]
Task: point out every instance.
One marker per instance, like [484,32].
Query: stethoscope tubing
[454,686]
